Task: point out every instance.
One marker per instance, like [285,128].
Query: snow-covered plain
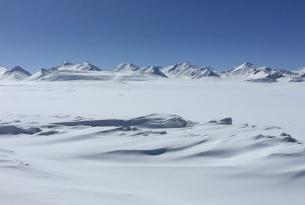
[152,142]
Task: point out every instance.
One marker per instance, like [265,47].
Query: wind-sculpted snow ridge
[15,130]
[225,121]
[153,121]
[76,156]
[261,162]
[159,138]
[7,159]
[206,144]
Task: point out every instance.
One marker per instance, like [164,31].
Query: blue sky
[219,33]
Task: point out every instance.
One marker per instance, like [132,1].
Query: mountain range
[185,70]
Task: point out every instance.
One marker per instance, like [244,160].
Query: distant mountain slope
[265,74]
[71,75]
[131,72]
[301,72]
[2,70]
[242,71]
[132,69]
[248,71]
[16,73]
[77,67]
[125,67]
[70,71]
[40,74]
[189,71]
[154,70]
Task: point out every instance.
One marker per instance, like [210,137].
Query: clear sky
[219,33]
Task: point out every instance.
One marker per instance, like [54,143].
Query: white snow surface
[152,142]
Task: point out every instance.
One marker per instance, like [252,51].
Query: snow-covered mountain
[68,71]
[297,76]
[248,71]
[126,67]
[242,71]
[16,73]
[132,69]
[126,72]
[265,74]
[2,70]
[154,70]
[189,71]
[301,72]
[86,71]
[77,67]
[40,74]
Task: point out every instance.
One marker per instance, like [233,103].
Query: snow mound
[7,159]
[225,121]
[153,121]
[205,144]
[16,73]
[132,154]
[282,138]
[15,130]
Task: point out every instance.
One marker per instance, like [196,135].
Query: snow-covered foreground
[152,142]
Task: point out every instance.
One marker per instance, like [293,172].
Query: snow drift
[150,121]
